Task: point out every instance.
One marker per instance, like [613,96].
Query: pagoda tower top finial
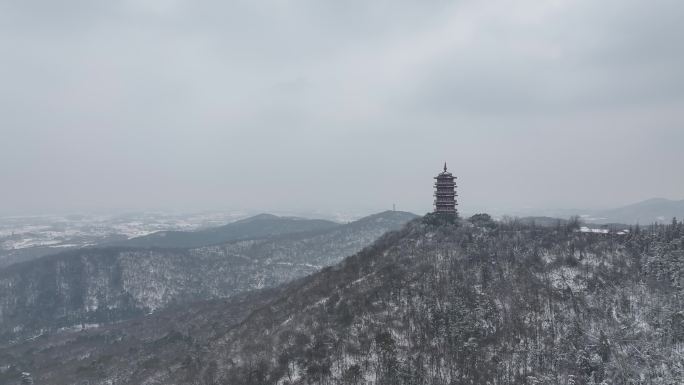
[445,169]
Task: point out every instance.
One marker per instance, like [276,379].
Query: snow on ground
[23,232]
[586,229]
[566,277]
[28,242]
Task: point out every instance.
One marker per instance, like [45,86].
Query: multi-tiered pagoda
[445,193]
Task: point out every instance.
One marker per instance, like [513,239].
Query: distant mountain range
[101,285]
[259,226]
[647,212]
[650,211]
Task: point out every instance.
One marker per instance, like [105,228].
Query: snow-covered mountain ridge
[103,285]
[476,302]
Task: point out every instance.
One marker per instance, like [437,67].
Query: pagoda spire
[445,168]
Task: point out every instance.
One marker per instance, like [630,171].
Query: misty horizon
[340,214]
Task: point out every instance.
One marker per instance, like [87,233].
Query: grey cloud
[338,105]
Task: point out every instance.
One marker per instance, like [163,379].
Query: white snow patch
[586,229]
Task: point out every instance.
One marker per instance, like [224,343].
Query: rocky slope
[95,286]
[466,303]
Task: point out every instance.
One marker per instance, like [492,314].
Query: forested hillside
[473,302]
[477,304]
[260,226]
[95,286]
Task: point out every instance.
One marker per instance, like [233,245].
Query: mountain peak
[258,217]
[652,201]
[390,214]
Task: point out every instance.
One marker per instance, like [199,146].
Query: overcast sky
[338,105]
